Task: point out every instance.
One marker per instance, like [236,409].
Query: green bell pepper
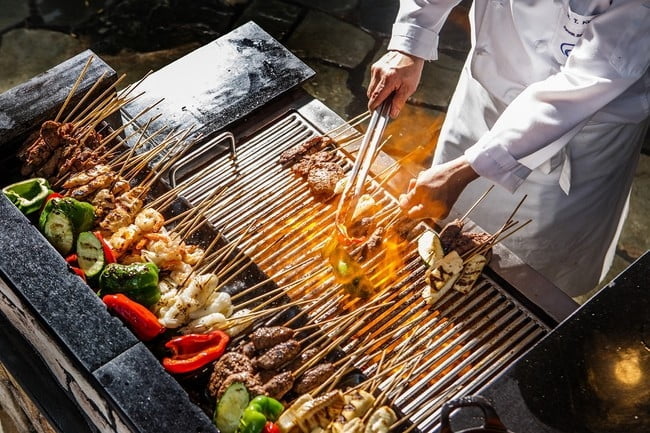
[268,406]
[138,281]
[251,421]
[28,195]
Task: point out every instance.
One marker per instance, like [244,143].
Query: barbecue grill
[247,110]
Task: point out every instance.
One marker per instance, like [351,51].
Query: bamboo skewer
[74,88]
[99,101]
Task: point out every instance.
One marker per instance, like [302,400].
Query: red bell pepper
[193,351]
[142,322]
[109,255]
[79,272]
[71,259]
[271,427]
[50,197]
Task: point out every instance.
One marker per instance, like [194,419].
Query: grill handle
[192,156]
[491,424]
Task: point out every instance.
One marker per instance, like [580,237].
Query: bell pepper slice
[109,255]
[193,351]
[72,259]
[138,281]
[138,318]
[251,421]
[270,407]
[79,272]
[28,195]
[271,427]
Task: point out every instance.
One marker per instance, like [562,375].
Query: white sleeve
[417,26]
[613,54]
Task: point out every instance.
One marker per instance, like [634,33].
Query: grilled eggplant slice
[441,277]
[471,271]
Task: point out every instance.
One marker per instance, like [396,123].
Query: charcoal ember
[278,355]
[269,336]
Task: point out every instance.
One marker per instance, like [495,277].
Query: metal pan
[491,422]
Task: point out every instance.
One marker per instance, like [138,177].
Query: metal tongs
[366,154]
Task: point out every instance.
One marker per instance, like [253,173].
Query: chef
[553,103]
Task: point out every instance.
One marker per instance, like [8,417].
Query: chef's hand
[396,73]
[435,190]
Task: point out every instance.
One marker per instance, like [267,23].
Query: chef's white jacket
[552,103]
[544,59]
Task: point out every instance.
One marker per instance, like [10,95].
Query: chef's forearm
[417,26]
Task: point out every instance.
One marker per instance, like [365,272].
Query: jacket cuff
[496,164]
[414,40]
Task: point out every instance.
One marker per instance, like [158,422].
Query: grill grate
[461,343]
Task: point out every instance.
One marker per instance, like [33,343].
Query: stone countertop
[591,374]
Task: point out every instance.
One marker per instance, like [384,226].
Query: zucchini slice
[230,407]
[90,254]
[58,230]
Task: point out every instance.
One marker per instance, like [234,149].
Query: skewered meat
[250,380]
[449,233]
[313,377]
[304,165]
[86,183]
[375,239]
[306,147]
[279,385]
[39,151]
[127,206]
[247,349]
[404,227]
[58,149]
[51,165]
[302,359]
[453,238]
[278,355]
[229,363]
[267,337]
[169,252]
[361,227]
[322,179]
